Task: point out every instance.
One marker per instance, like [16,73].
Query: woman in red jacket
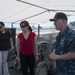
[26,44]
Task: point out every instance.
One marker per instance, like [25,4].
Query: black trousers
[27,64]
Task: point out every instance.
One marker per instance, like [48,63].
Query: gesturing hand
[52,55]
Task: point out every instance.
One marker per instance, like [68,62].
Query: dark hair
[30,29]
[26,24]
[2,24]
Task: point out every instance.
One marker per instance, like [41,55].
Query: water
[45,31]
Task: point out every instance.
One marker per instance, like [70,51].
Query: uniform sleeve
[72,45]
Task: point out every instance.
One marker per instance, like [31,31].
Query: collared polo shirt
[4,41]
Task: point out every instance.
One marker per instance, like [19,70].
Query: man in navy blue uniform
[64,51]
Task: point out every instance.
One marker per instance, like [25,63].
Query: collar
[65,30]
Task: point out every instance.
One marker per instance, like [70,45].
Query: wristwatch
[57,56]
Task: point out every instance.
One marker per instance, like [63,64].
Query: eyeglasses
[0,27]
[22,26]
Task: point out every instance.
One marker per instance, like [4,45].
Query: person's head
[2,25]
[25,25]
[60,21]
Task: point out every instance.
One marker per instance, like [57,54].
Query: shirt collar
[65,30]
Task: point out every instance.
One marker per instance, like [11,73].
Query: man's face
[58,24]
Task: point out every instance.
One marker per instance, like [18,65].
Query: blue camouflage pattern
[65,42]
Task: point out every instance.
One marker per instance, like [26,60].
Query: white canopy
[34,11]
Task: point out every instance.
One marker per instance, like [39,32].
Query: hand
[12,47]
[52,55]
[36,58]
[18,60]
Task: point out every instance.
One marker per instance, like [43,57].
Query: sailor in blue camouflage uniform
[64,52]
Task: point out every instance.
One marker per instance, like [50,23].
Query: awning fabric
[34,11]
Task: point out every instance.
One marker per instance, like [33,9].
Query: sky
[44,24]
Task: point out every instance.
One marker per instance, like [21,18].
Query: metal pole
[12,25]
[44,7]
[38,31]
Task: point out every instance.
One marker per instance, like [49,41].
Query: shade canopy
[34,11]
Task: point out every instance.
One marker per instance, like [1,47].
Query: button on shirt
[65,42]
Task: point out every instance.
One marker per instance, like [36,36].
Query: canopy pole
[39,31]
[45,8]
[30,16]
[33,5]
[12,25]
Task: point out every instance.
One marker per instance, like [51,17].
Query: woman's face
[1,27]
[24,27]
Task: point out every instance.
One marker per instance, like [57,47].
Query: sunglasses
[0,27]
[22,26]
